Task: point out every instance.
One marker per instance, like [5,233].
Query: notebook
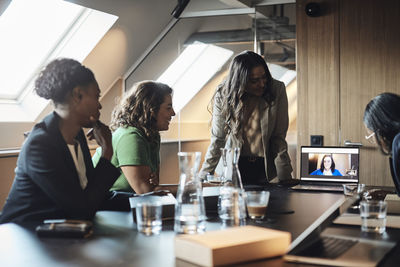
[314,246]
[328,168]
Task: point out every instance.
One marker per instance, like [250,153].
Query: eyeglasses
[368,137]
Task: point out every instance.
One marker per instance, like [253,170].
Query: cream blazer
[274,125]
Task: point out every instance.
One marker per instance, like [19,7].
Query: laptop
[328,168]
[316,246]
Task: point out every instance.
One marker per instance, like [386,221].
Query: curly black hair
[59,77]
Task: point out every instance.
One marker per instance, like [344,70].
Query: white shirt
[252,137]
[77,156]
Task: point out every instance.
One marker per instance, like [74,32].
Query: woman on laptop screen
[327,167]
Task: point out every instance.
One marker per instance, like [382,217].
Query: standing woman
[55,177]
[136,123]
[250,111]
[382,120]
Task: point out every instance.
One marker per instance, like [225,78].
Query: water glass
[257,202]
[352,189]
[148,216]
[231,204]
[213,179]
[373,216]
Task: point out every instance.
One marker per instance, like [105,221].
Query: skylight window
[282,74]
[194,67]
[32,34]
[23,45]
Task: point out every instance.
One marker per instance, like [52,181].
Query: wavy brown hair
[139,108]
[232,90]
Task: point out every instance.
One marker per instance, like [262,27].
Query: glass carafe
[189,209]
[231,201]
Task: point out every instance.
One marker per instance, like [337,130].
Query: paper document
[392,197]
[392,221]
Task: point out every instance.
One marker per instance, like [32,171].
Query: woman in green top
[136,122]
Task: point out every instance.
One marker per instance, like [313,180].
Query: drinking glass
[352,189]
[373,216]
[148,216]
[257,202]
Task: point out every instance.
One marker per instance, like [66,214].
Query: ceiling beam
[220,12]
[280,33]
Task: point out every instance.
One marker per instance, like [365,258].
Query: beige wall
[169,172]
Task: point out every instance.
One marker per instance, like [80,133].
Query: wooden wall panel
[7,167]
[369,65]
[317,73]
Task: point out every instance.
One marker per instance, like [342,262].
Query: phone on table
[65,228]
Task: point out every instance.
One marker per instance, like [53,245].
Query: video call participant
[55,177]
[136,123]
[327,167]
[250,111]
[382,120]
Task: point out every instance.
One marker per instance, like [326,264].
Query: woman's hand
[102,134]
[154,179]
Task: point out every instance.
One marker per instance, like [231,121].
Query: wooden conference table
[116,242]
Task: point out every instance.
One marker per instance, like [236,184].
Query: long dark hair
[322,167]
[382,116]
[139,108]
[60,77]
[232,90]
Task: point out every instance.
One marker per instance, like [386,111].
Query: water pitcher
[231,201]
[189,210]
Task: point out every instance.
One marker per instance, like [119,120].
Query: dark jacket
[395,162]
[46,184]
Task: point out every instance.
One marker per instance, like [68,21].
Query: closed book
[232,245]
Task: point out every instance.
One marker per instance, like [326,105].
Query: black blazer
[395,162]
[46,183]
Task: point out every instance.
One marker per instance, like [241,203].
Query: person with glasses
[250,111]
[382,120]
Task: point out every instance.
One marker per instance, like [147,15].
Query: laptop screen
[329,164]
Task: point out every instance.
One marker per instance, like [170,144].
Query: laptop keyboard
[329,247]
[321,187]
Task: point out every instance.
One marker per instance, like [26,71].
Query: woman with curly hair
[250,111]
[136,123]
[55,178]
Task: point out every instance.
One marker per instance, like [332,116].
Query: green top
[131,147]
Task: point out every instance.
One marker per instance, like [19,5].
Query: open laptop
[314,246]
[342,164]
